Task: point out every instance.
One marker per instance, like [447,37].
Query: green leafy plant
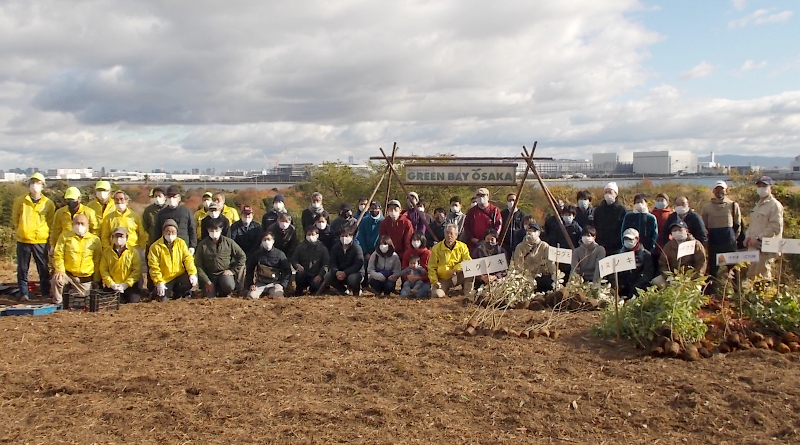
[770,306]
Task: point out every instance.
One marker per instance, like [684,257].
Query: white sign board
[461,174]
[685,248]
[737,257]
[484,266]
[558,255]
[780,245]
[617,263]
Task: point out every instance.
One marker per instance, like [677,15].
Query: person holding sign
[586,256]
[487,248]
[533,255]
[682,251]
[630,281]
[766,221]
[444,265]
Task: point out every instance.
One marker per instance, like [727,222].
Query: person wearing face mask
[363,206]
[555,236]
[314,209]
[684,212]
[584,213]
[31,217]
[487,247]
[344,220]
[121,267]
[171,265]
[723,220]
[277,207]
[669,262]
[62,220]
[76,260]
[228,212]
[516,221]
[419,219]
[180,215]
[122,216]
[532,257]
[397,227]
[326,235]
[246,232]
[346,266]
[310,261]
[587,255]
[661,210]
[455,216]
[285,234]
[643,221]
[444,265]
[102,203]
[158,199]
[608,218]
[437,225]
[268,270]
[384,268]
[419,248]
[482,217]
[766,221]
[215,215]
[630,281]
[220,262]
[202,212]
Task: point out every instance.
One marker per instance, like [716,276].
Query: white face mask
[682,210]
[416,243]
[640,207]
[170,238]
[267,244]
[322,225]
[610,198]
[510,204]
[278,206]
[482,201]
[629,243]
[316,205]
[583,203]
[283,225]
[587,240]
[532,237]
[455,209]
[121,207]
[102,195]
[160,200]
[763,192]
[214,234]
[36,188]
[394,214]
[567,219]
[384,248]
[120,241]
[174,201]
[346,240]
[247,220]
[206,203]
[214,214]
[679,236]
[362,207]
[473,203]
[421,208]
[79,229]
[312,238]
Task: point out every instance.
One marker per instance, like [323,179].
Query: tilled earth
[367,370]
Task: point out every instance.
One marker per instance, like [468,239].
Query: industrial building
[613,163]
[670,162]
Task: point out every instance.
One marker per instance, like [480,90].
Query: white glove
[191,250]
[193,280]
[161,289]
[123,287]
[117,288]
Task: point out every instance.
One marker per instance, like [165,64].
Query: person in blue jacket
[643,221]
[367,236]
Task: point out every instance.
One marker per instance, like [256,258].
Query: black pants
[39,253]
[131,294]
[178,287]
[303,280]
[352,282]
[713,268]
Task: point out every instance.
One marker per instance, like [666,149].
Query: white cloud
[751,65]
[702,69]
[739,4]
[760,17]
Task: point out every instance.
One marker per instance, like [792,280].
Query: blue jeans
[39,254]
[422,288]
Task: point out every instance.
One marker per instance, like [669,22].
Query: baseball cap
[120,231]
[678,223]
[173,190]
[37,176]
[72,193]
[393,202]
[103,186]
[766,180]
[630,233]
[482,191]
[722,184]
[247,210]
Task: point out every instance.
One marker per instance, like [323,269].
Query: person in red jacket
[397,227]
[480,218]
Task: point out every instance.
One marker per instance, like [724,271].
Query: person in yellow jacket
[172,268]
[32,216]
[122,216]
[444,265]
[121,267]
[102,204]
[202,212]
[76,259]
[229,212]
[62,221]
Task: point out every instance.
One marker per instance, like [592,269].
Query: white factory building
[670,162]
[621,162]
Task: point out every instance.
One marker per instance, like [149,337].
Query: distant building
[613,163]
[70,173]
[795,165]
[561,167]
[670,162]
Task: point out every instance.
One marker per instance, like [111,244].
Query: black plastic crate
[98,300]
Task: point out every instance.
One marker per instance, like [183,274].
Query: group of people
[168,250]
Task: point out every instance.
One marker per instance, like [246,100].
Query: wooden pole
[372,196]
[519,193]
[405,190]
[550,199]
[389,182]
[616,303]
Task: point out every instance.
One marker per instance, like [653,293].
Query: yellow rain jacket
[80,257]
[443,260]
[62,222]
[32,221]
[228,212]
[198,219]
[167,264]
[123,268]
[100,211]
[137,237]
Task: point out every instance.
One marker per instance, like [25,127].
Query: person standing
[246,232]
[122,216]
[723,220]
[415,212]
[284,234]
[643,221]
[684,212]
[455,216]
[766,221]
[202,212]
[31,217]
[181,217]
[157,201]
[102,204]
[438,223]
[584,214]
[271,217]
[315,208]
[608,218]
[76,260]
[62,220]
[397,227]
[344,220]
[662,211]
[213,216]
[368,229]
[514,222]
[482,217]
[363,206]
[228,212]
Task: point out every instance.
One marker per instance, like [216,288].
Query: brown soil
[365,370]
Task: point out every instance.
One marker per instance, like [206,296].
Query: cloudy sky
[245,84]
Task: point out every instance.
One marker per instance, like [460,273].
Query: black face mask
[345,215]
[375,213]
[73,205]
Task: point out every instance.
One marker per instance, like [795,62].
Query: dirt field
[365,370]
